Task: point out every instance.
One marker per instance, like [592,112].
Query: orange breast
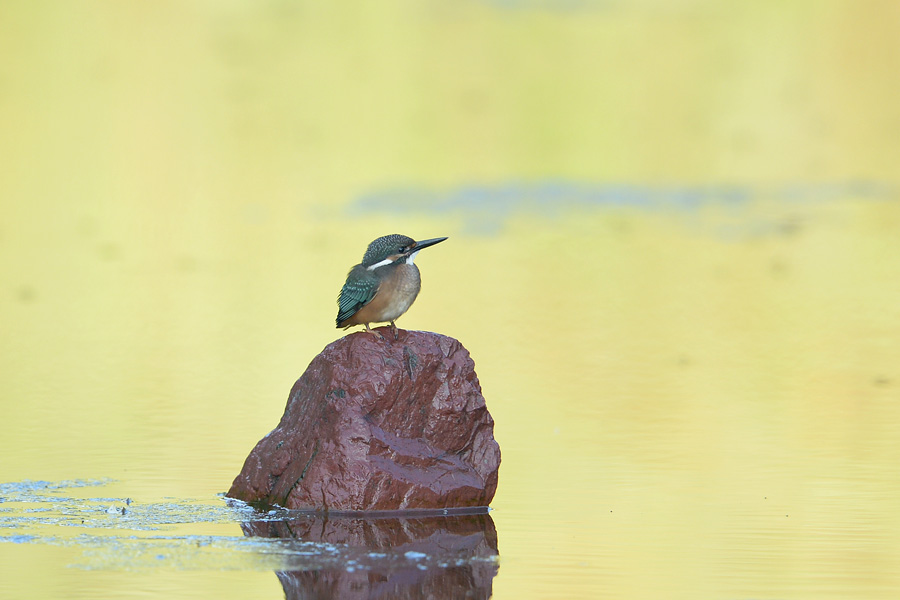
[394,297]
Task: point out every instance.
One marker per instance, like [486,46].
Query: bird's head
[392,249]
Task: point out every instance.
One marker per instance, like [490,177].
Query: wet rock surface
[379,425]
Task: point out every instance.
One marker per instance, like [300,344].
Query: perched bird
[384,285]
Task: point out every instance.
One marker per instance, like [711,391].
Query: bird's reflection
[354,557]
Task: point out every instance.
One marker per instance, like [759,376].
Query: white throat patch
[383,263]
[411,257]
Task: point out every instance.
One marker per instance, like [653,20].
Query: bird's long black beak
[425,243]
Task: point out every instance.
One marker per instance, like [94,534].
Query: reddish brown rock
[379,425]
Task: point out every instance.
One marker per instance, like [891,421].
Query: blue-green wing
[358,291]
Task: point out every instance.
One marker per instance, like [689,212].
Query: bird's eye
[401,250]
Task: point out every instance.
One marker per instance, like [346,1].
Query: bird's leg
[394,329]
[373,332]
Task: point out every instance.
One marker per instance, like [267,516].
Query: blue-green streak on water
[484,208]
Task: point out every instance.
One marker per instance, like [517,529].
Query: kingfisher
[384,285]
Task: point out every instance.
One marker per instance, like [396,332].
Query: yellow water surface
[674,255]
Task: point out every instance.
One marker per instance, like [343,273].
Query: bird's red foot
[375,333]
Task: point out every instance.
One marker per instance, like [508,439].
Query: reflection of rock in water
[387,557]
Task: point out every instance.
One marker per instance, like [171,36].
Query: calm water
[674,255]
